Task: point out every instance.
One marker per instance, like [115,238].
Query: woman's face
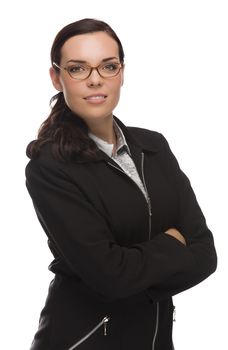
[94,97]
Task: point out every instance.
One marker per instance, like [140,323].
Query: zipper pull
[105,320]
[174,313]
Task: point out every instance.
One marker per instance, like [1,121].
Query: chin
[95,115]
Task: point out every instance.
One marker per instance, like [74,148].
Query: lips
[97,97]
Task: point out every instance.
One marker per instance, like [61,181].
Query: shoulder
[141,132]
[149,139]
[155,143]
[45,155]
[142,136]
[44,163]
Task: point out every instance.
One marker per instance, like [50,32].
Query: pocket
[102,323]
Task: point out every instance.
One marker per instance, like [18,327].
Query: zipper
[148,197]
[145,187]
[122,171]
[116,167]
[174,313]
[174,320]
[156,326]
[150,214]
[100,324]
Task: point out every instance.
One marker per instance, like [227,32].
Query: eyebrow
[104,60]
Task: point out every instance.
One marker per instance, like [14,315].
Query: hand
[176,234]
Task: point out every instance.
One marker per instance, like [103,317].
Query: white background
[176,82]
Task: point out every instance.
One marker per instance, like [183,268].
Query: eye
[76,69]
[110,67]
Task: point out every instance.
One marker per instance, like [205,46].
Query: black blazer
[115,269]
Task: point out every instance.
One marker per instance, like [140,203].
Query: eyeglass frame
[91,69]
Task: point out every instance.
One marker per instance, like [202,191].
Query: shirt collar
[121,141]
[108,147]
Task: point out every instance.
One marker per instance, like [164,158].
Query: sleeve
[192,225]
[85,242]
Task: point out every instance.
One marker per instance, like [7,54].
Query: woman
[121,218]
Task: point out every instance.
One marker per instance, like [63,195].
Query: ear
[55,79]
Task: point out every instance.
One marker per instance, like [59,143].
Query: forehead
[92,47]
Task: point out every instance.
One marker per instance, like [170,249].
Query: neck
[103,129]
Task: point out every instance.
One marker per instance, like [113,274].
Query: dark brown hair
[67,132]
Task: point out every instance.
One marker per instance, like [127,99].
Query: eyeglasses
[81,71]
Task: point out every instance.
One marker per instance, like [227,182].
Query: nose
[94,79]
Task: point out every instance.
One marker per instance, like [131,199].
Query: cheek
[71,92]
[114,95]
[117,91]
[115,86]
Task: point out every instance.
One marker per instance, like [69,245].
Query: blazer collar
[136,145]
[132,139]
